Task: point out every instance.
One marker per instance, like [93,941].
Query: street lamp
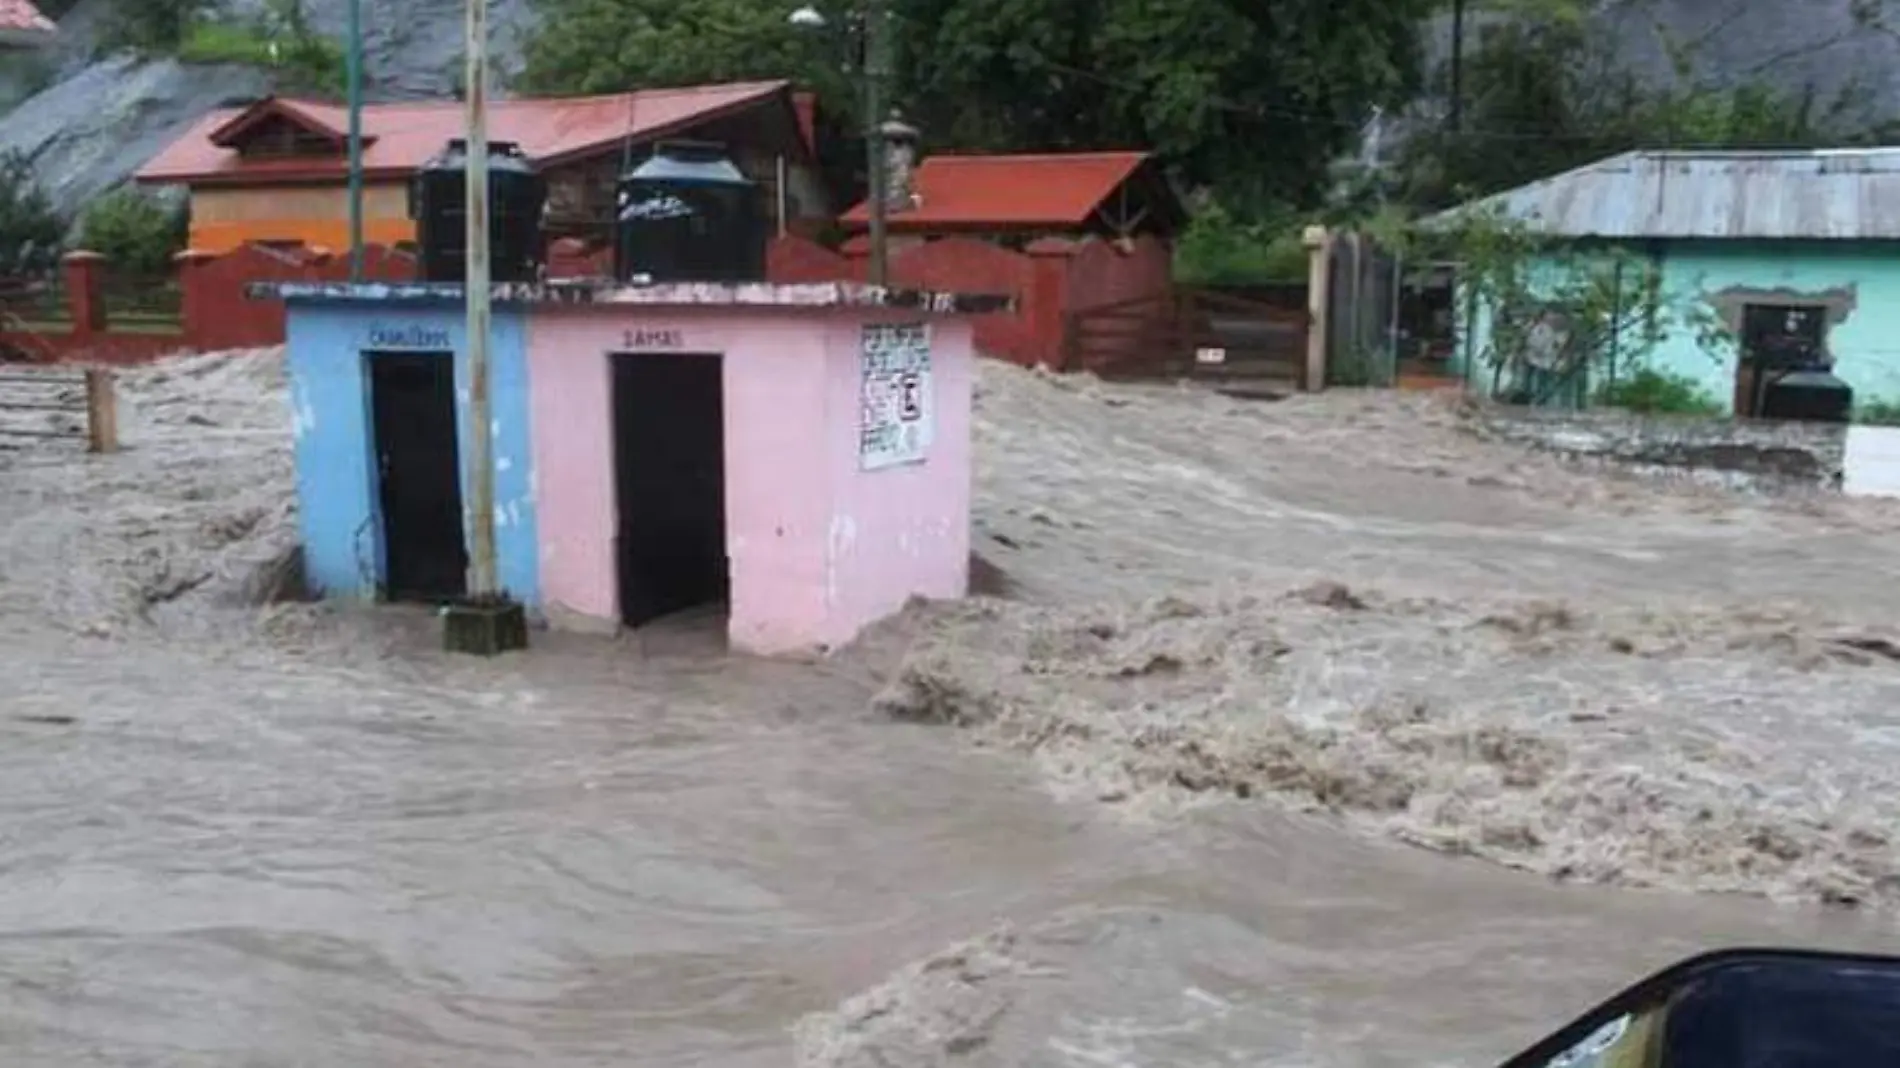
[874,68]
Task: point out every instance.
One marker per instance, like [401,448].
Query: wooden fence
[1192,332]
[59,402]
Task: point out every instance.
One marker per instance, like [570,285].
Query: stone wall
[1748,454]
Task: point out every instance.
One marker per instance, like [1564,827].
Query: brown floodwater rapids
[299,835]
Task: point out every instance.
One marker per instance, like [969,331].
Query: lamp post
[354,89]
[874,69]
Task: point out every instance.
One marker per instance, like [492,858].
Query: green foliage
[1545,92]
[201,31]
[1877,412]
[1253,98]
[151,26]
[137,232]
[281,40]
[1562,310]
[30,232]
[23,72]
[1652,392]
[1218,248]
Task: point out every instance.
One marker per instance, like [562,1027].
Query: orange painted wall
[225,219]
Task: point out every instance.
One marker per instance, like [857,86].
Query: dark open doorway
[1776,339]
[670,484]
[419,489]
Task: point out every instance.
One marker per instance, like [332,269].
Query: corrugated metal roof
[1827,194]
[398,138]
[1054,190]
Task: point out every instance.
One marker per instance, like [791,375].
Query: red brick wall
[1051,279]
[217,313]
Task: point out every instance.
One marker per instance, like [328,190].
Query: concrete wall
[224,218]
[336,480]
[899,531]
[1860,281]
[817,549]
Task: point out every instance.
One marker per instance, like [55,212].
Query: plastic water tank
[516,198]
[1812,396]
[689,215]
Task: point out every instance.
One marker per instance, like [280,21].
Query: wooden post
[1319,276]
[102,411]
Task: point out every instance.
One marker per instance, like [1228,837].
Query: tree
[152,25]
[1251,98]
[1561,316]
[30,232]
[135,230]
[1546,90]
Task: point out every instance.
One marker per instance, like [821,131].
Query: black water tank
[1811,396]
[689,215]
[516,197]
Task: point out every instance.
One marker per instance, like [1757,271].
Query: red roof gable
[21,19]
[398,138]
[1057,191]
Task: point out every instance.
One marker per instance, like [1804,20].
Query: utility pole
[877,66]
[1457,64]
[354,89]
[483,584]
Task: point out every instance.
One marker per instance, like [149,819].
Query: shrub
[30,231]
[1217,247]
[1877,412]
[138,232]
[303,61]
[1652,392]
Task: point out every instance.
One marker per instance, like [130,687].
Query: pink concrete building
[797,453]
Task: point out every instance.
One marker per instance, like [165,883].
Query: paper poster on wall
[894,396]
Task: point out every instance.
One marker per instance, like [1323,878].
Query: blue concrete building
[1773,243]
[370,378]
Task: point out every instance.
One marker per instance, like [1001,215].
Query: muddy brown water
[603,855]
[310,838]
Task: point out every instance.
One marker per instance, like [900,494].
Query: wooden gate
[1255,336]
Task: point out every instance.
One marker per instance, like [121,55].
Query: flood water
[310,838]
[599,855]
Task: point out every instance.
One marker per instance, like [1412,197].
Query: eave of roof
[554,132]
[1822,195]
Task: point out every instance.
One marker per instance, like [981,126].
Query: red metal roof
[1052,191]
[21,18]
[398,138]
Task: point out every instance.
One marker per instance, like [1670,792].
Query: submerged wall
[336,464]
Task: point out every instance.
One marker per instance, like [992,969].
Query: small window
[277,138]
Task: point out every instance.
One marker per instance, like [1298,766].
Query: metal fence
[137,302]
[1362,296]
[29,301]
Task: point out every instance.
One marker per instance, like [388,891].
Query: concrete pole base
[485,628]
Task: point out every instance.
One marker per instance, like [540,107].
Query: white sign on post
[894,396]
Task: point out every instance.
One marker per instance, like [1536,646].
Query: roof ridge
[678,90]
